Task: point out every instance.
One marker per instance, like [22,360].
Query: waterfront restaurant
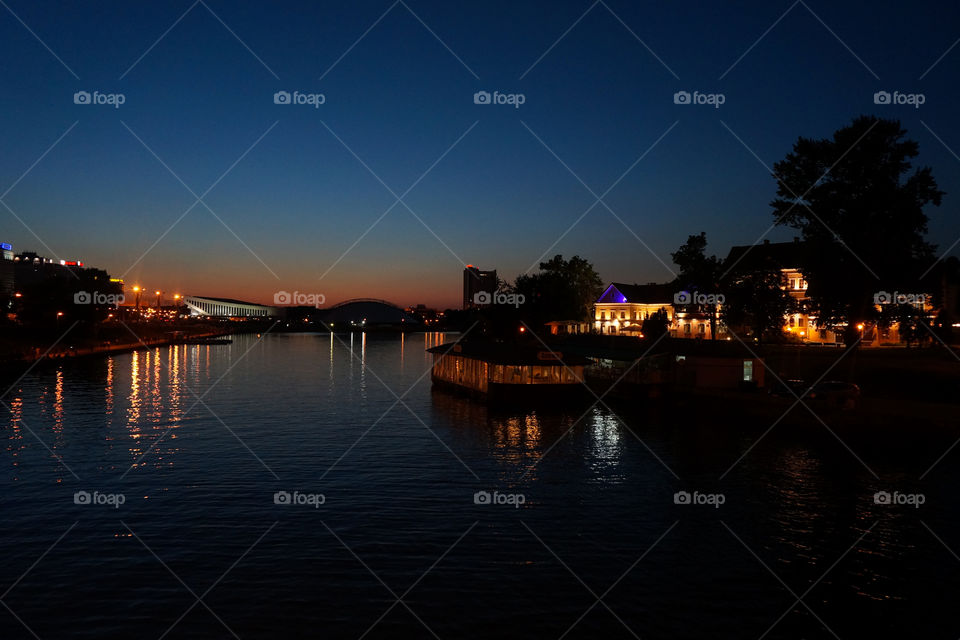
[495,371]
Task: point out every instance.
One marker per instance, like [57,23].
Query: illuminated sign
[6,246]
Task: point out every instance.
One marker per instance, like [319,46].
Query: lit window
[747,370]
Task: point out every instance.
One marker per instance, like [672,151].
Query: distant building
[6,270]
[622,308]
[227,308]
[787,256]
[29,268]
[476,281]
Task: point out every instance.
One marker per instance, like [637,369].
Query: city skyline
[202,179]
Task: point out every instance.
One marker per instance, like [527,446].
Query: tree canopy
[860,206]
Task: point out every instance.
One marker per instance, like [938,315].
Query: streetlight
[59,315]
[137,290]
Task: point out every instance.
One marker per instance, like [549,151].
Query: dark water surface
[399,548]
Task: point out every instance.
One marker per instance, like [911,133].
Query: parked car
[788,388]
[834,394]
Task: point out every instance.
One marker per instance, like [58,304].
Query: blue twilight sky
[198,90]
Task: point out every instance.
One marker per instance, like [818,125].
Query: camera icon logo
[881,97]
[882,297]
[282,497]
[681,497]
[81,97]
[81,497]
[81,297]
[281,97]
[482,497]
[282,297]
[481,97]
[882,497]
[682,297]
[681,97]
[482,297]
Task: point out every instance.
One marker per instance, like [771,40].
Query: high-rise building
[6,269]
[476,282]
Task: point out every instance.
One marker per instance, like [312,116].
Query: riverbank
[22,347]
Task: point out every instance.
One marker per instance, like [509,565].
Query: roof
[228,301]
[785,255]
[504,353]
[619,292]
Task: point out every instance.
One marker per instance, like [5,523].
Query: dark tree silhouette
[655,325]
[561,290]
[758,300]
[699,273]
[860,209]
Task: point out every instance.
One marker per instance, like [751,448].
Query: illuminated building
[622,308]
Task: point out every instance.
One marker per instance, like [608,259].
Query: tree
[699,273]
[655,325]
[561,290]
[758,300]
[860,210]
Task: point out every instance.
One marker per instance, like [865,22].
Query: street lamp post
[137,290]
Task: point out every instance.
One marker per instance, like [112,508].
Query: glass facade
[476,374]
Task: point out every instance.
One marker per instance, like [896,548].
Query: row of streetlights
[137,289]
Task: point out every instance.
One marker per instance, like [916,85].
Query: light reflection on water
[596,494]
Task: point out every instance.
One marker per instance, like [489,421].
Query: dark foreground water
[181,453]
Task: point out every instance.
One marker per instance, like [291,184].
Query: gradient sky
[401,100]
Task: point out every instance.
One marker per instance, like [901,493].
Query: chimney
[766,241]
